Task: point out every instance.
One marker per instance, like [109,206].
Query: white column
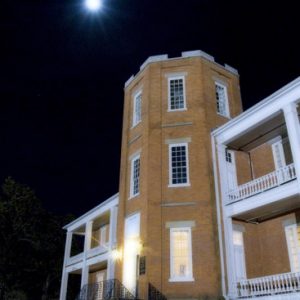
[87,247]
[84,275]
[65,275]
[227,221]
[293,129]
[64,285]
[88,236]
[112,241]
[113,226]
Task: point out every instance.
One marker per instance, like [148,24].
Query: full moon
[93,5]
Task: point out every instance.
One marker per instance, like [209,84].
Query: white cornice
[112,201]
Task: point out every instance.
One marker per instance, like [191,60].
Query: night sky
[63,70]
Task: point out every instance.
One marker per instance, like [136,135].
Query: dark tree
[31,245]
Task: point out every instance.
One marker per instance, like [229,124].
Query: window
[278,154]
[222,101]
[181,267]
[292,233]
[135,176]
[178,165]
[137,109]
[176,93]
[239,255]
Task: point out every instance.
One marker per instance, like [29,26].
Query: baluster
[297,281]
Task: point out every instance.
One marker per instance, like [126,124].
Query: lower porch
[266,258]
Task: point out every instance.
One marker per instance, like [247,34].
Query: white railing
[268,285]
[75,259]
[97,250]
[262,184]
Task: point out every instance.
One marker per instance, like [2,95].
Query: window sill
[174,110]
[224,116]
[133,196]
[179,185]
[186,279]
[135,125]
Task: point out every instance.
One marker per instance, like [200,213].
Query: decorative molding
[174,204]
[177,124]
[178,141]
[176,74]
[180,224]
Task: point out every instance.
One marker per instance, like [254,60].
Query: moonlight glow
[93,5]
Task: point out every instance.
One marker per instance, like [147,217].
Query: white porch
[279,286]
[98,228]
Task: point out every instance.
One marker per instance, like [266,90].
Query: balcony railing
[261,184]
[269,285]
[111,289]
[75,259]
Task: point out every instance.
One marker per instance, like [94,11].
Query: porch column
[293,129]
[88,236]
[112,241]
[227,221]
[65,275]
[64,285]
[87,247]
[113,226]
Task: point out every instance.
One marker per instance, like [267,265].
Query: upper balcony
[258,161]
[92,236]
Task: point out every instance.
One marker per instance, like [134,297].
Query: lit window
[176,93]
[222,101]
[137,109]
[178,160]
[181,254]
[135,176]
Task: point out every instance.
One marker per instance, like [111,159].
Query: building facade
[183,225]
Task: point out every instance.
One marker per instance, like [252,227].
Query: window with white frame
[135,176]
[292,233]
[181,265]
[137,109]
[177,93]
[178,165]
[222,99]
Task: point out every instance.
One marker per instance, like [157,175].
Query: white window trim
[134,122]
[280,152]
[294,229]
[187,278]
[136,157]
[227,112]
[170,78]
[187,166]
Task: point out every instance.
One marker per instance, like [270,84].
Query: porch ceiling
[269,211]
[260,133]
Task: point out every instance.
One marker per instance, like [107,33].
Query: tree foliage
[31,245]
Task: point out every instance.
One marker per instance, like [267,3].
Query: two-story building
[257,167]
[190,222]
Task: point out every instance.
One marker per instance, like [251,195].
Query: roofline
[252,110]
[91,211]
[184,55]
